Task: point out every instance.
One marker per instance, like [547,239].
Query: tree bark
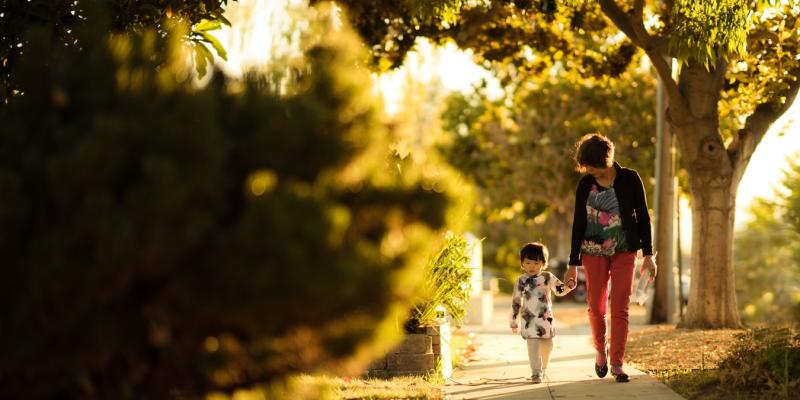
[712,296]
[712,185]
[663,308]
[563,235]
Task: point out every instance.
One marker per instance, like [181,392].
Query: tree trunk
[712,185]
[712,298]
[563,236]
[663,308]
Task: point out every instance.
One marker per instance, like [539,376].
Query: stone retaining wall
[418,354]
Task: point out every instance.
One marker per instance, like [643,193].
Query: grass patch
[720,364]
[394,388]
[323,387]
[402,387]
[690,384]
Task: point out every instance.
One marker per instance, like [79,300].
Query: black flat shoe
[621,378]
[601,371]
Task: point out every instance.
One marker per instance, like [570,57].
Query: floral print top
[531,301]
[604,235]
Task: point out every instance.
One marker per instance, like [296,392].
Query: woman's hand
[649,264]
[571,277]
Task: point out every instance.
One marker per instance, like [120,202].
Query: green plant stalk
[448,282]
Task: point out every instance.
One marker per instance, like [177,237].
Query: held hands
[650,264]
[571,278]
[514,328]
[571,283]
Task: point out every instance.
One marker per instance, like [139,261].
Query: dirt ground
[664,347]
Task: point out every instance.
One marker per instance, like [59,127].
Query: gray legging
[539,354]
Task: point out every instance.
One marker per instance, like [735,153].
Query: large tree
[738,72]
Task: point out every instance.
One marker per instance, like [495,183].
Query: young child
[531,301]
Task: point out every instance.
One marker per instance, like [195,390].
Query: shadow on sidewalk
[487,387]
[499,368]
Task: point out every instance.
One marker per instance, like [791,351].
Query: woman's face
[596,172]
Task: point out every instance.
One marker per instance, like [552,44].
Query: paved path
[499,369]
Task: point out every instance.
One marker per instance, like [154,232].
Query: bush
[447,283]
[160,240]
[764,360]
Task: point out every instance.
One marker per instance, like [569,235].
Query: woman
[611,224]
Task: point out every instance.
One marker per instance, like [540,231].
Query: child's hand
[514,329]
[571,283]
[571,275]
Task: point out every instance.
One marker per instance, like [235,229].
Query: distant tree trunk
[713,181]
[664,203]
[563,227]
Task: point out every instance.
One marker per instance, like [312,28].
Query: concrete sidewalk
[500,370]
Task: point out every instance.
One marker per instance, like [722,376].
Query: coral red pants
[599,269]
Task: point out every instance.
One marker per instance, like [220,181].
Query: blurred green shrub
[764,360]
[161,240]
[766,255]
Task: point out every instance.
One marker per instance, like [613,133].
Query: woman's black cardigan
[632,207]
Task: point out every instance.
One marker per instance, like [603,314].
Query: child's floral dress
[532,302]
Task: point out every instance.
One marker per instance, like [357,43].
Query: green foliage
[791,201]
[762,74]
[767,256]
[530,35]
[161,240]
[445,10]
[201,38]
[706,30]
[65,17]
[764,360]
[447,282]
[758,38]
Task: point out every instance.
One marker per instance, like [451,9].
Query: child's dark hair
[534,251]
[594,150]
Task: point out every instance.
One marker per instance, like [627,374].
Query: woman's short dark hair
[594,150]
[534,251]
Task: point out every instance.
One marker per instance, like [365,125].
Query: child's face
[532,267]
